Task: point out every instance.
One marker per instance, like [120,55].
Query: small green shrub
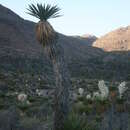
[87,101]
[93,125]
[120,100]
[2,106]
[88,109]
[81,98]
[23,106]
[9,119]
[32,99]
[30,124]
[79,107]
[98,118]
[73,123]
[2,95]
[77,122]
[101,106]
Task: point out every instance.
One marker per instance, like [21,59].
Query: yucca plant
[48,38]
[45,33]
[74,122]
[79,122]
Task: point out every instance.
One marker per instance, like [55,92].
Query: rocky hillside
[89,37]
[20,52]
[118,40]
[17,34]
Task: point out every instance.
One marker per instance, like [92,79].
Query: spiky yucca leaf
[43,11]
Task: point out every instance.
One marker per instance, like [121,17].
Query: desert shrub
[9,119]
[23,106]
[78,107]
[80,98]
[101,106]
[93,125]
[120,100]
[87,101]
[81,108]
[73,123]
[2,95]
[88,109]
[41,112]
[37,100]
[2,103]
[30,124]
[77,122]
[98,118]
[32,99]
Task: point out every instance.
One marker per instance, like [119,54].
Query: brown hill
[118,40]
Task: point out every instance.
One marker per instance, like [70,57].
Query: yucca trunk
[61,101]
[52,48]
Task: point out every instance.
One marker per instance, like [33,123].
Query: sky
[95,17]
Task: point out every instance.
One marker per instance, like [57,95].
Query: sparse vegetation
[25,70]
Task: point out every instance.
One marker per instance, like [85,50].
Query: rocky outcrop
[118,40]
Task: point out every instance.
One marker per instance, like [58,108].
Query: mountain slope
[118,40]
[20,52]
[17,34]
